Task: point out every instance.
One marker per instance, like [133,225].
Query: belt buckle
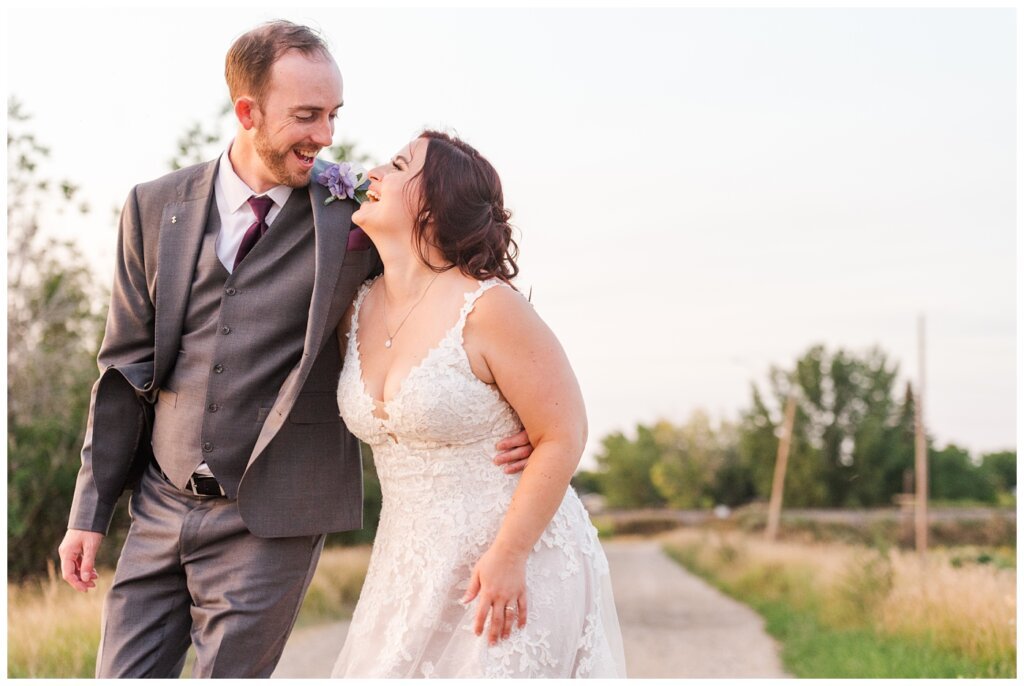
[195,488]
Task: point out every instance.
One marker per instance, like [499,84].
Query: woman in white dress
[475,571]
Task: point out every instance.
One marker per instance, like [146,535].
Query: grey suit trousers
[191,572]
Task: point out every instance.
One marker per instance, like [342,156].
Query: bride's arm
[521,354]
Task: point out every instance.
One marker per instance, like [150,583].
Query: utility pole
[779,479]
[920,452]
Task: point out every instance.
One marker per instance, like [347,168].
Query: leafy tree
[585,481]
[760,428]
[1001,470]
[843,436]
[953,476]
[852,446]
[733,483]
[688,466]
[896,465]
[758,443]
[201,142]
[690,457]
[625,469]
[53,333]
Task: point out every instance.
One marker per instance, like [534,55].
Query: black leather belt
[199,484]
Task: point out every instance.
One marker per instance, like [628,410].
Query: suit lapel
[331,224]
[181,235]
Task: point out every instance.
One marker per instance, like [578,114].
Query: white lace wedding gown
[444,501]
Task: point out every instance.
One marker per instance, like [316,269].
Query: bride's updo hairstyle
[462,211]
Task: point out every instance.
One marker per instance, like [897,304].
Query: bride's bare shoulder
[501,308]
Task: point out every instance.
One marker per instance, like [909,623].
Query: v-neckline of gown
[383,404]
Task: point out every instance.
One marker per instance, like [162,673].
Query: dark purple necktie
[261,207]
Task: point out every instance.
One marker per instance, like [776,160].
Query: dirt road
[673,625]
[676,625]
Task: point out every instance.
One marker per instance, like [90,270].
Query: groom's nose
[323,134]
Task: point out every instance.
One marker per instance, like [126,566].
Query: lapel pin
[174,219]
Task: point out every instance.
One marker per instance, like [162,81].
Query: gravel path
[311,651]
[673,625]
[676,625]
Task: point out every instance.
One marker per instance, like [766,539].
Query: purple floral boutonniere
[345,180]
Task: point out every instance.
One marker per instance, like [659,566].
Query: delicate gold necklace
[384,310]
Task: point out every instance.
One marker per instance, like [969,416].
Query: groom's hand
[78,558]
[515,451]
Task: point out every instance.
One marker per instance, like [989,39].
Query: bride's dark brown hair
[461,211]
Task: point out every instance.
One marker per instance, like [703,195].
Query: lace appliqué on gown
[443,503]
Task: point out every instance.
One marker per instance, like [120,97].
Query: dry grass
[54,631]
[335,587]
[969,609]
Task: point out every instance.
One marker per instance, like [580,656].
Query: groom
[216,402]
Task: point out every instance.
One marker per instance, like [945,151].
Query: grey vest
[242,335]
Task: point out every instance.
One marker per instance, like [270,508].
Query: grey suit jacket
[304,474]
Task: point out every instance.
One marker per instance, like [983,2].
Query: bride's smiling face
[394,190]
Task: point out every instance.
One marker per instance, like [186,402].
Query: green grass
[813,648]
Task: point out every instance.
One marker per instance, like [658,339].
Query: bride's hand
[499,580]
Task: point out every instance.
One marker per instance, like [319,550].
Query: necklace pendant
[387,343]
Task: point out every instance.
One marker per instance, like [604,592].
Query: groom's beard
[277,162]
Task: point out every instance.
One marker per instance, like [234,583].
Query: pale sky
[700,194]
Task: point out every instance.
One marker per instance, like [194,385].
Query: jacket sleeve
[118,405]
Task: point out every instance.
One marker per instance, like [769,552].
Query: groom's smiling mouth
[305,157]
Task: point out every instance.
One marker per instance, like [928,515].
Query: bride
[474,572]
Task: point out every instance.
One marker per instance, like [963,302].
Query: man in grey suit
[216,403]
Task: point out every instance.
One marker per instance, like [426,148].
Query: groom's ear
[246,110]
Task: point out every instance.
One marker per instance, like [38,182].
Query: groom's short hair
[252,55]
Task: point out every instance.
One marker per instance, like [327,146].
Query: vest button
[226,330]
[213,407]
[218,368]
[207,447]
[230,291]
